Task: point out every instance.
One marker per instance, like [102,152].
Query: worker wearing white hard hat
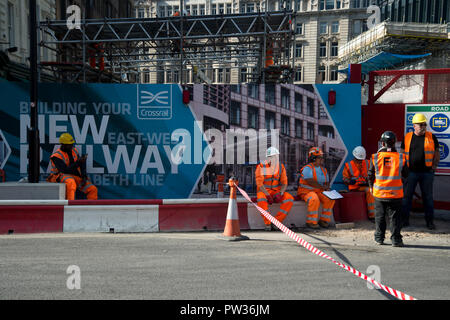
[355,176]
[271,183]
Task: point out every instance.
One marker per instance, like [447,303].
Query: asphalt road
[201,266]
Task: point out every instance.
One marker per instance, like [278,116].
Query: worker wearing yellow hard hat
[421,149]
[68,167]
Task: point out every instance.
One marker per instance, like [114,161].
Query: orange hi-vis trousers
[370,201]
[313,199]
[73,182]
[287,201]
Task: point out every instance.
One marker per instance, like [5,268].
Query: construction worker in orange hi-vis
[68,167]
[313,181]
[356,178]
[271,184]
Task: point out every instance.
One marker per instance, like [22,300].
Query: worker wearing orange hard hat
[68,167]
[313,181]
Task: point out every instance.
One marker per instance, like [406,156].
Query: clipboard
[333,194]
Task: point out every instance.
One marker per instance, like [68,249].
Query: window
[243,75]
[310,131]
[253,91]
[270,93]
[11,37]
[146,76]
[323,49]
[141,13]
[169,77]
[228,8]
[194,10]
[298,103]
[162,11]
[250,7]
[235,113]
[321,74]
[310,107]
[221,8]
[298,128]
[330,4]
[334,49]
[299,28]
[335,27]
[213,9]
[285,125]
[270,120]
[298,50]
[169,11]
[333,74]
[323,28]
[298,73]
[220,75]
[253,116]
[285,97]
[202,10]
[175,76]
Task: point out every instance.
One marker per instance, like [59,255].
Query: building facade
[291,113]
[14,25]
[320,27]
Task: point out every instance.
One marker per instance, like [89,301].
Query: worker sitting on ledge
[68,167]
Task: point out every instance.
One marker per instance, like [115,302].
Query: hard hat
[66,138]
[315,151]
[419,118]
[272,151]
[389,138]
[359,153]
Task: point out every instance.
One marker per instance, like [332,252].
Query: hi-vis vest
[352,172]
[388,169]
[271,178]
[54,172]
[303,184]
[429,147]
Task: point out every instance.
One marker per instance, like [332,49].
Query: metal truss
[129,44]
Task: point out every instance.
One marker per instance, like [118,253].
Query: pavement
[201,266]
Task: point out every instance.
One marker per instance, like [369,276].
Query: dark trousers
[393,210]
[425,181]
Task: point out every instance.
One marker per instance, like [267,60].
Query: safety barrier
[132,215]
[398,294]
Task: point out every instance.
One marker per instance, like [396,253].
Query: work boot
[380,242]
[398,243]
[430,225]
[312,225]
[324,224]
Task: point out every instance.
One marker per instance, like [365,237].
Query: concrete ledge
[32,191]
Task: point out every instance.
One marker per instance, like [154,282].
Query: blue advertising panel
[138,137]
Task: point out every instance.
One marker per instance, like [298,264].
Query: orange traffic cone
[232,230]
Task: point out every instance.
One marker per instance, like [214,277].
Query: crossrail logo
[154,102]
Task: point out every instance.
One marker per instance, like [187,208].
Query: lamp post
[33,131]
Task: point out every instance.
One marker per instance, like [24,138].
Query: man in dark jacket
[387,168]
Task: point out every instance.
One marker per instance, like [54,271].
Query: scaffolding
[126,45]
[396,37]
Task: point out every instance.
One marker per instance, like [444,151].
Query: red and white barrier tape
[398,294]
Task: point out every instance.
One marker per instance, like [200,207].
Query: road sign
[438,123]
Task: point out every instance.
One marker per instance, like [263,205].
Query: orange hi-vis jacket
[54,172]
[388,169]
[271,178]
[303,185]
[352,171]
[429,147]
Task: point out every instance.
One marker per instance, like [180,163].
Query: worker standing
[387,168]
[421,149]
[356,178]
[271,183]
[68,167]
[313,181]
